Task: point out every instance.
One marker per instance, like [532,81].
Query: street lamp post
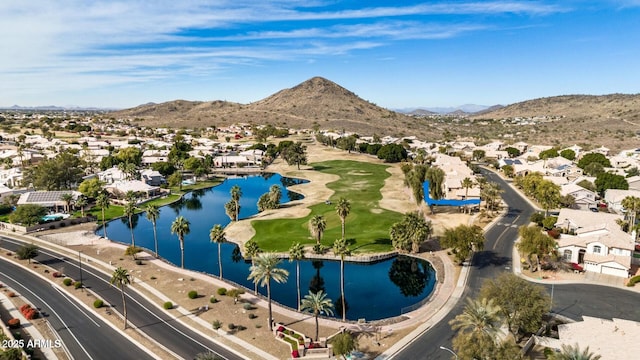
[449,350]
[80,262]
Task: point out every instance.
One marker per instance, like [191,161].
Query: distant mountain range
[55,108]
[458,110]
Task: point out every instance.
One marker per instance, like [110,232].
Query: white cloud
[84,44]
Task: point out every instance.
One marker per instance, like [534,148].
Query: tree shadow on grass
[376,242]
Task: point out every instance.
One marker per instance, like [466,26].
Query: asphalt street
[573,300]
[85,335]
[175,336]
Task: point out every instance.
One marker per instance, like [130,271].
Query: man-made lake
[373,291]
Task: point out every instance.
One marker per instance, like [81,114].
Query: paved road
[572,300]
[180,339]
[77,327]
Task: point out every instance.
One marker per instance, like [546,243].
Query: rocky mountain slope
[609,120]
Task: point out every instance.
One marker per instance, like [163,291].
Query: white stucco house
[595,241]
[613,339]
[614,198]
[585,199]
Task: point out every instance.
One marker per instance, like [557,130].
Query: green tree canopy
[512,152]
[522,303]
[27,252]
[295,154]
[63,172]
[463,239]
[91,188]
[548,154]
[392,153]
[606,181]
[534,243]
[28,214]
[593,157]
[129,155]
[568,154]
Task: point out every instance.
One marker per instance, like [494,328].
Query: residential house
[613,339]
[122,187]
[585,199]
[49,199]
[614,197]
[152,177]
[634,182]
[595,241]
[5,192]
[112,175]
[11,177]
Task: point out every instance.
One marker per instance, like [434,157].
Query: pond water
[372,291]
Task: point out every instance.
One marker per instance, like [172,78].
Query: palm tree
[466,183]
[481,318]
[341,248]
[129,211]
[153,213]
[252,250]
[317,303]
[103,201]
[121,278]
[631,204]
[181,227]
[343,208]
[296,253]
[317,226]
[265,269]
[68,199]
[81,203]
[216,235]
[572,352]
[236,194]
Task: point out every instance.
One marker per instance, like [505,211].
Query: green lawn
[367,226]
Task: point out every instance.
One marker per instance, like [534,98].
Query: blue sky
[396,54]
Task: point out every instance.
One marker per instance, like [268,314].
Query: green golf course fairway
[367,226]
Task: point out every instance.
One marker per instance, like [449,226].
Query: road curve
[184,342]
[78,328]
[571,300]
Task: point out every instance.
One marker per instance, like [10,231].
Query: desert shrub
[13,323]
[192,294]
[132,250]
[98,303]
[549,222]
[28,312]
[168,305]
[537,218]
[222,291]
[153,277]
[252,316]
[247,306]
[216,324]
[139,262]
[234,292]
[56,274]
[67,282]
[241,327]
[634,280]
[11,294]
[213,300]
[258,326]
[77,284]
[231,326]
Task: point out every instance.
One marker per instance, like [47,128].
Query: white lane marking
[53,311]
